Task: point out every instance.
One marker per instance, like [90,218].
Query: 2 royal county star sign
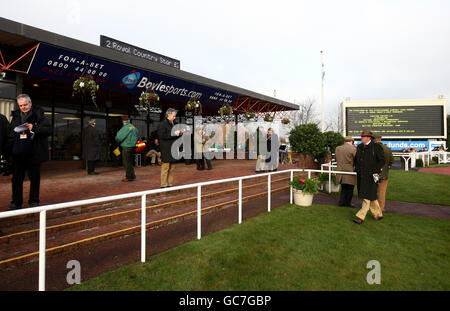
[65,65]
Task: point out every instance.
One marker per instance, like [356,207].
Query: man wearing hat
[369,161]
[127,137]
[91,146]
[389,160]
[345,157]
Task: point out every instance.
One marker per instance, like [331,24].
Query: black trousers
[22,164]
[346,195]
[127,159]
[91,166]
[201,162]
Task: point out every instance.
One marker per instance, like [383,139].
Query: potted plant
[268,118]
[304,189]
[250,114]
[195,106]
[85,86]
[148,99]
[225,110]
[323,179]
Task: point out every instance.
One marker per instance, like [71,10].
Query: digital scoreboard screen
[400,121]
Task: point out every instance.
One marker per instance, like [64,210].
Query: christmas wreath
[268,118]
[225,110]
[249,114]
[285,121]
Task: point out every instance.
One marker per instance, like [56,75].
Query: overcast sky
[372,49]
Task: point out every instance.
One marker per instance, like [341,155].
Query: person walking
[166,139]
[345,158]
[127,137]
[91,146]
[27,134]
[388,161]
[368,162]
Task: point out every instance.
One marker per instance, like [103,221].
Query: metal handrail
[42,210]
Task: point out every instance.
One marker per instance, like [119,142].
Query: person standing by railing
[345,158]
[368,163]
[28,133]
[3,143]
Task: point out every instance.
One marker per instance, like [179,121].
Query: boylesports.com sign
[60,64]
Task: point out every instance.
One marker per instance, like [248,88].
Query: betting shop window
[67,135]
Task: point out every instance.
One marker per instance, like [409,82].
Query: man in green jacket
[127,137]
[388,161]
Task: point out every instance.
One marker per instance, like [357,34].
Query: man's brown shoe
[358,220]
[378,218]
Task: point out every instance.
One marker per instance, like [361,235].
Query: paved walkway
[436,170]
[65,186]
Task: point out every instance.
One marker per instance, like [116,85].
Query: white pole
[199,212]
[329,177]
[240,202]
[143,227]
[292,178]
[268,192]
[42,246]
[322,99]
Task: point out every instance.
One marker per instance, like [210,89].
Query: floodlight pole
[323,108]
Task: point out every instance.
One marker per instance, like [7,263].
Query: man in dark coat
[27,134]
[368,163]
[91,146]
[166,140]
[273,146]
[3,140]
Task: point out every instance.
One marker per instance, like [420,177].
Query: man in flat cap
[389,160]
[345,157]
[369,161]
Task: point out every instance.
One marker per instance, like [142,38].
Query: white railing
[42,210]
[411,157]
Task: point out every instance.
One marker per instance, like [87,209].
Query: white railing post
[143,227]
[309,174]
[290,194]
[42,248]
[329,178]
[268,192]
[199,212]
[240,202]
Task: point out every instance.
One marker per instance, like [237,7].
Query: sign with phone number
[64,65]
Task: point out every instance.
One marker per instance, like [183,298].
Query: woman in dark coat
[369,160]
[91,146]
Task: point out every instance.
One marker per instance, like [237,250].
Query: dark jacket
[368,161]
[273,153]
[91,144]
[389,160]
[166,140]
[38,144]
[153,146]
[3,134]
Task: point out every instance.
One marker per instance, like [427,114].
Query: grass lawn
[298,248]
[416,187]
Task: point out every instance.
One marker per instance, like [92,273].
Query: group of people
[371,161]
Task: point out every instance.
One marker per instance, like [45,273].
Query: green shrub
[419,163]
[323,177]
